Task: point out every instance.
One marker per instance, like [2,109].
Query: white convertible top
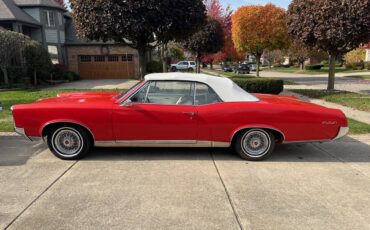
[225,88]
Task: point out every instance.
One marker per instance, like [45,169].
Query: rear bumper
[343,131]
[21,132]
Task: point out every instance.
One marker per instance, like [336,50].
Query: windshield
[125,92]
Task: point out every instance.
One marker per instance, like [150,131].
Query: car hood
[82,97]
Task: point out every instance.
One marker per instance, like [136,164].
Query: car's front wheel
[255,144]
[69,142]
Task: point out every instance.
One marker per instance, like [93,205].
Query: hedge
[367,65]
[260,85]
[355,66]
[16,74]
[314,67]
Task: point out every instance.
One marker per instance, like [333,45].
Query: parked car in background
[1,107]
[227,68]
[176,110]
[253,67]
[242,69]
[183,66]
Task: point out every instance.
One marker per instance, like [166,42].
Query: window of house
[113,58]
[85,58]
[53,52]
[127,57]
[60,19]
[99,58]
[48,17]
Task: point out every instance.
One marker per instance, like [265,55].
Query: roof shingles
[45,3]
[9,11]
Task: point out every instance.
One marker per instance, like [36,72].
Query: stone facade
[74,51]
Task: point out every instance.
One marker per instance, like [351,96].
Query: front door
[161,112]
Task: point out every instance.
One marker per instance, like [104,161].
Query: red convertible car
[176,110]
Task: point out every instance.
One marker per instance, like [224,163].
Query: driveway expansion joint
[237,217]
[40,195]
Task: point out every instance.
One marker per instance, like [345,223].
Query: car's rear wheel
[255,144]
[69,142]
[173,69]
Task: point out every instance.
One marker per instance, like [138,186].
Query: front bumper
[21,132]
[343,131]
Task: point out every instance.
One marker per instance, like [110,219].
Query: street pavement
[302,186]
[306,81]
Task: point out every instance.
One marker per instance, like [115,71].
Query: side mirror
[128,103]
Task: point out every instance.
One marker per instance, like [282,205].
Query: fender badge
[329,123]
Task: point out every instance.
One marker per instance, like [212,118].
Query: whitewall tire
[255,144]
[69,142]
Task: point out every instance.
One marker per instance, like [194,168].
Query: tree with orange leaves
[259,28]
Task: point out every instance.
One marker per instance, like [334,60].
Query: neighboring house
[367,47]
[50,24]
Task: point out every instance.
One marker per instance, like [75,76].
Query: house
[51,24]
[367,48]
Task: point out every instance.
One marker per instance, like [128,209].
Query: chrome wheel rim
[256,143]
[67,142]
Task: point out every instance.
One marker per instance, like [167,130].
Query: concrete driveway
[303,186]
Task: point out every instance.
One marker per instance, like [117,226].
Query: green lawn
[9,98]
[364,77]
[323,70]
[356,127]
[353,100]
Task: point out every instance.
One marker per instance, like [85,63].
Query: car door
[184,65]
[161,111]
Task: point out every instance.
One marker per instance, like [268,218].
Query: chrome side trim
[219,144]
[162,143]
[343,131]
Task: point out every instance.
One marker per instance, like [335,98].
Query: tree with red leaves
[216,11]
